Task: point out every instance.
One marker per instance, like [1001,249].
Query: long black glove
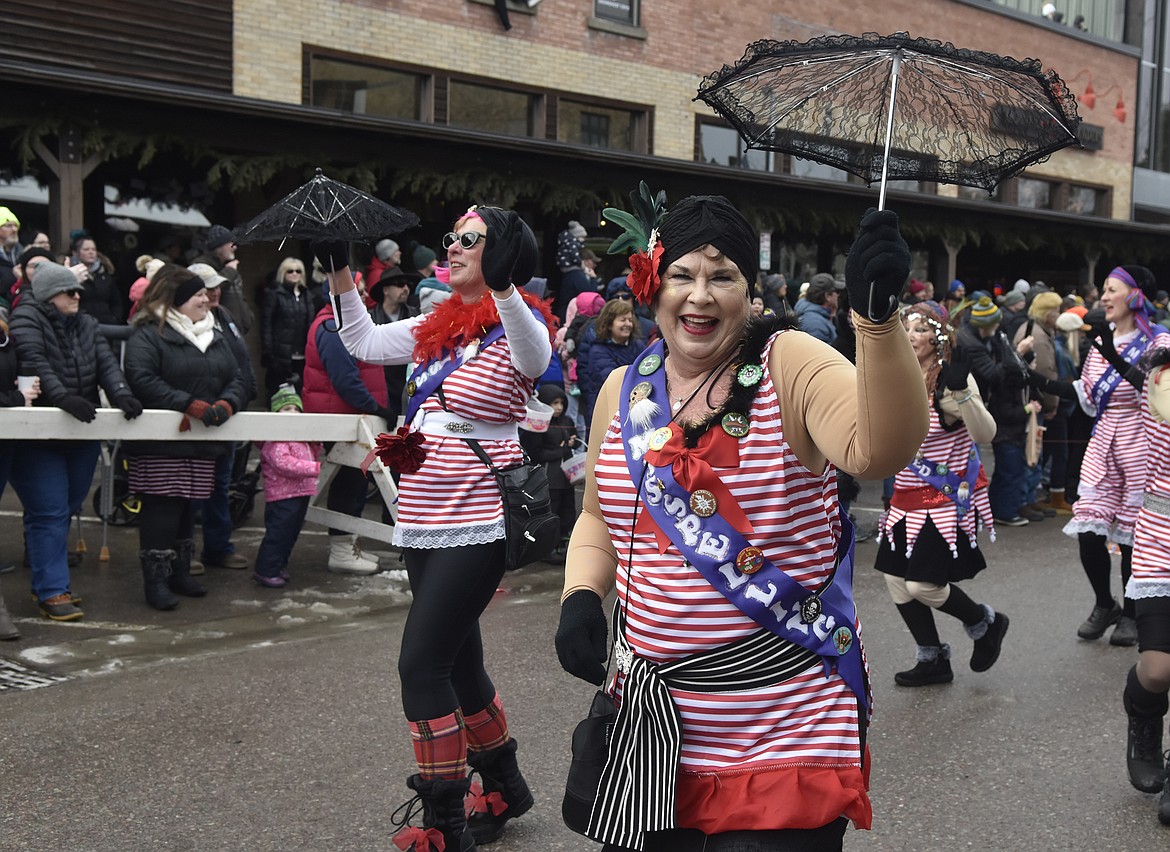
[500,252]
[130,406]
[956,370]
[877,266]
[582,637]
[1100,335]
[81,408]
[333,254]
[1064,390]
[386,414]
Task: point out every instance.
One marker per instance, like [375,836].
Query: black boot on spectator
[181,582]
[1143,750]
[499,774]
[934,666]
[443,818]
[156,570]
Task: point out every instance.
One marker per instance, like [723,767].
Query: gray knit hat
[49,279]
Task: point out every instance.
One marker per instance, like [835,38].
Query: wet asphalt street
[270,720]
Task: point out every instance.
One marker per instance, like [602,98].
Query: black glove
[500,252]
[956,371]
[1064,390]
[386,414]
[215,415]
[131,407]
[333,254]
[582,637]
[80,408]
[877,266]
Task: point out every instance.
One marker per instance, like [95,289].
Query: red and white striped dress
[453,499]
[954,450]
[793,748]
[1114,468]
[1151,536]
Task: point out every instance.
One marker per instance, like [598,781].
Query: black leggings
[1153,623]
[441,660]
[164,521]
[827,838]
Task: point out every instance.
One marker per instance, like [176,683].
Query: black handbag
[530,527]
[590,751]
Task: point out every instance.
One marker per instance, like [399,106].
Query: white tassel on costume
[643,412]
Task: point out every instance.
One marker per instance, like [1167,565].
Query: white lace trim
[1090,525]
[434,537]
[1137,589]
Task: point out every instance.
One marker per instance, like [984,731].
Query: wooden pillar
[67,188]
[1091,258]
[953,250]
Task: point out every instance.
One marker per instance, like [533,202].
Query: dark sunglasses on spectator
[467,239]
[295,272]
[624,296]
[72,293]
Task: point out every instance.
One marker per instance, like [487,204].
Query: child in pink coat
[290,471]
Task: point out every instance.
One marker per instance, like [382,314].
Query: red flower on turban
[643,279]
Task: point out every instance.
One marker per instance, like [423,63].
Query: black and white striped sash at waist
[637,790]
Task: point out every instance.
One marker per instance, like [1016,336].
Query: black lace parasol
[326,209]
[896,108]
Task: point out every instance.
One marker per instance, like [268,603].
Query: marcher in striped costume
[928,536]
[711,506]
[471,383]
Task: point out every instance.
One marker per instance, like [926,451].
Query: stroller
[126,507]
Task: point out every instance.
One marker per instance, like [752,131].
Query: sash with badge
[939,476]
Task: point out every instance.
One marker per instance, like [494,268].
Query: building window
[366,89]
[618,11]
[1036,194]
[504,111]
[600,126]
[818,171]
[723,146]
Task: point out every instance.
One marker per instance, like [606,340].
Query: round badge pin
[411,388]
[703,503]
[842,639]
[649,364]
[749,560]
[749,375]
[941,470]
[735,424]
[640,391]
[810,610]
[659,438]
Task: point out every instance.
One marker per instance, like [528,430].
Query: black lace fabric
[960,116]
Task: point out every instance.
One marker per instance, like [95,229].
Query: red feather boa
[452,324]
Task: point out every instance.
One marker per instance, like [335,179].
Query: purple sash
[959,490]
[821,621]
[427,377]
[1110,379]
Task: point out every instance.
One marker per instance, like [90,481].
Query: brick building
[437,105]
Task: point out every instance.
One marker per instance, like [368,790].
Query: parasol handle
[895,71]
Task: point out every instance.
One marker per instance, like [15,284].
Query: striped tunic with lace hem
[453,499]
[673,612]
[952,449]
[1151,535]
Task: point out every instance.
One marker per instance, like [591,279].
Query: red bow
[420,839]
[477,802]
[693,469]
[402,452]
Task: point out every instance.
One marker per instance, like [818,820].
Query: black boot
[934,666]
[181,580]
[441,800]
[1164,802]
[156,570]
[499,774]
[989,640]
[1143,750]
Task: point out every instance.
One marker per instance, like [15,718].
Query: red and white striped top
[673,612]
[1118,434]
[1151,537]
[954,450]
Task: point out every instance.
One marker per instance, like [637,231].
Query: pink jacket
[290,469]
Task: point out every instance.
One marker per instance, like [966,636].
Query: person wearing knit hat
[424,260]
[220,254]
[387,255]
[51,279]
[1049,358]
[984,314]
[1014,307]
[10,248]
[290,470]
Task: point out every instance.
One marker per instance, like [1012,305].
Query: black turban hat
[700,220]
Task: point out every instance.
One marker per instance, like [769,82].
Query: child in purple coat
[290,471]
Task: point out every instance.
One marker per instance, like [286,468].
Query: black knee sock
[959,605]
[1127,607]
[920,620]
[1140,702]
[160,521]
[1095,561]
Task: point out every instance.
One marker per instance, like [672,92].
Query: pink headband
[1124,276]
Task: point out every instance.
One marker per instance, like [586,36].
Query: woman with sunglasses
[479,353]
[285,317]
[62,345]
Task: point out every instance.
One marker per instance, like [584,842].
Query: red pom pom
[402,452]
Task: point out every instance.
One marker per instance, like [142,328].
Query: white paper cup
[537,417]
[25,382]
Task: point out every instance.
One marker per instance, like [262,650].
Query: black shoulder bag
[530,527]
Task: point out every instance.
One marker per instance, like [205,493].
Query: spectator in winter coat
[818,307]
[220,254]
[553,446]
[65,348]
[99,297]
[337,383]
[774,289]
[177,359]
[10,249]
[290,471]
[286,314]
[390,295]
[617,345]
[28,261]
[387,255]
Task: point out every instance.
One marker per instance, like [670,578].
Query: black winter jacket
[10,397]
[284,324]
[69,354]
[100,297]
[168,371]
[226,323]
